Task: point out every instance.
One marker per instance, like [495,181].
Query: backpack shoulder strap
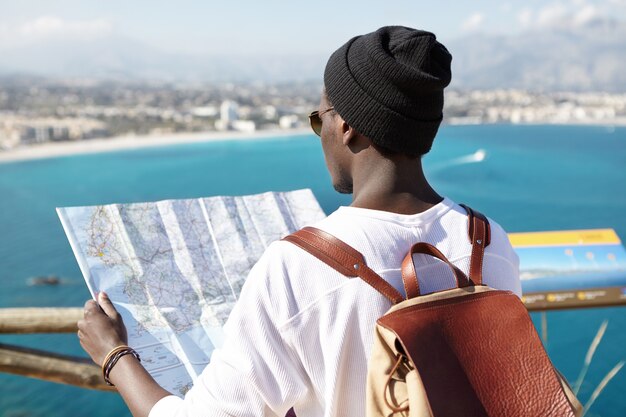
[479,233]
[341,257]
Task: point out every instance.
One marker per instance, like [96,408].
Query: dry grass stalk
[596,393]
[590,352]
[544,328]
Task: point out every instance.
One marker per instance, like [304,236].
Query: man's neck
[398,187]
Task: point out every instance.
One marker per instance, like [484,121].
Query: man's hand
[102,329]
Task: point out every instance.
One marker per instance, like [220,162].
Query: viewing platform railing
[41,364]
[81,372]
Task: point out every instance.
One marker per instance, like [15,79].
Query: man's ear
[348,133]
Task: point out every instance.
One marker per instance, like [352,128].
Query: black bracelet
[113,360]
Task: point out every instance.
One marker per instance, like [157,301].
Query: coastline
[613,123]
[128,142]
[119,143]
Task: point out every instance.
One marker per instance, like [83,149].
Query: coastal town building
[55,110]
[290,121]
[15,131]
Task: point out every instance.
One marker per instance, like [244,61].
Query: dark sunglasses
[316,120]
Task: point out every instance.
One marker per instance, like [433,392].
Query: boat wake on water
[476,157]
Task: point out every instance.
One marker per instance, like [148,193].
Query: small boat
[45,280]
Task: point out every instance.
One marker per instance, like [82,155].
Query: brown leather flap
[479,355]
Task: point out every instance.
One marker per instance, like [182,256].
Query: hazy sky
[271,26]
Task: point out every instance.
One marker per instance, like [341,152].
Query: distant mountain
[586,58]
[122,58]
[592,57]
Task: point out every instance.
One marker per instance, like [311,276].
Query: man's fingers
[106,305]
[90,307]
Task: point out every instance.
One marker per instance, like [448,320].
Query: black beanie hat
[389,84]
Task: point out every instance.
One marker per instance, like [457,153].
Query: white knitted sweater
[300,334]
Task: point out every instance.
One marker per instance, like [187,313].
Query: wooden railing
[82,372]
[41,364]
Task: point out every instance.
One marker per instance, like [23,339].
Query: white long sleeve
[300,334]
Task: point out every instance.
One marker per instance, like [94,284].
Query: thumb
[106,305]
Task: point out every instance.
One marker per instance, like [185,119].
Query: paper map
[175,268]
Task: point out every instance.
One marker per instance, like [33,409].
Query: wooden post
[52,367]
[39,320]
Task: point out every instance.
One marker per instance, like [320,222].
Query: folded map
[175,268]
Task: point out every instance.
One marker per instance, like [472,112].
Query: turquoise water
[533,178]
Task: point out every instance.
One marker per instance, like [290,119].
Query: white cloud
[525,17]
[586,15]
[17,35]
[566,15]
[51,26]
[474,22]
[553,15]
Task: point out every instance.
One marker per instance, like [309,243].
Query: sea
[528,178]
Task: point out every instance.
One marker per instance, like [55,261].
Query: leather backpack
[467,351]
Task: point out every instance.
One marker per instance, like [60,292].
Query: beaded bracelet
[111,359]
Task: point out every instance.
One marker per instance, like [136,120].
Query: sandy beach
[56,149]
